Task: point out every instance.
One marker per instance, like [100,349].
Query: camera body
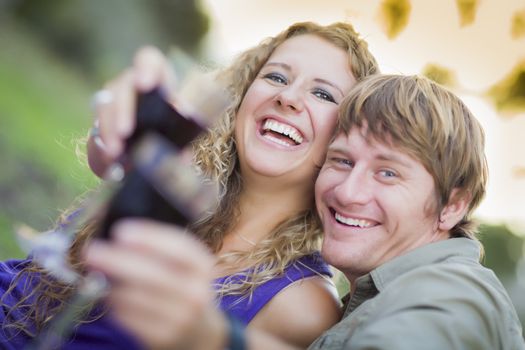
[160,182]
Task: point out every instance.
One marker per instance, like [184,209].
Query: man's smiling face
[375,201]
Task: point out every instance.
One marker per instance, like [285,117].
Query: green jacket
[435,297]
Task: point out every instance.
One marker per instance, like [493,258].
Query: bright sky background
[480,54]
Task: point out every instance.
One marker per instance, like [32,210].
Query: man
[401,180]
[402,177]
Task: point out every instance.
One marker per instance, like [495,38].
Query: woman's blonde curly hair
[216,156]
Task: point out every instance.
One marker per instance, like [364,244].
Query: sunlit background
[54,54]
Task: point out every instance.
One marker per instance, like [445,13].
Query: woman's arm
[301,312]
[161,288]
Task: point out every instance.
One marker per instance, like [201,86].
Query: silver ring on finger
[101,97]
[94,133]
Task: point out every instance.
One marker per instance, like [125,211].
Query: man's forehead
[344,139]
[382,149]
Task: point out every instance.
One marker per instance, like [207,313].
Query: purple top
[102,334]
[245,308]
[105,334]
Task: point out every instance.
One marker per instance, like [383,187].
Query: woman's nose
[291,98]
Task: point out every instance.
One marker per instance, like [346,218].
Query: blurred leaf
[440,75]
[519,172]
[394,16]
[467,11]
[508,95]
[518,25]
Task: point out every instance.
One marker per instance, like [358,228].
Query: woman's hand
[161,285]
[115,105]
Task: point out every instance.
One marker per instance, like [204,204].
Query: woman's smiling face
[288,114]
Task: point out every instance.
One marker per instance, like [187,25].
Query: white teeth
[282,129]
[352,222]
[276,140]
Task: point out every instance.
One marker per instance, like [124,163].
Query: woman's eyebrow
[279,64]
[318,80]
[327,82]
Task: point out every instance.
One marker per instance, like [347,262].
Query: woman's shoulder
[246,308]
[307,305]
[313,262]
[307,266]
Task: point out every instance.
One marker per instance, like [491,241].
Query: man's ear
[454,211]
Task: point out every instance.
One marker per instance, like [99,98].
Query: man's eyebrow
[394,158]
[319,80]
[337,149]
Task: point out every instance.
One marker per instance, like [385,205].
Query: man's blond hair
[433,126]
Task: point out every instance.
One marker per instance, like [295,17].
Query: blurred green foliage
[54,54]
[43,112]
[508,95]
[440,75]
[503,250]
[517,29]
[101,36]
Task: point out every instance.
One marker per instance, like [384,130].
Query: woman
[265,152]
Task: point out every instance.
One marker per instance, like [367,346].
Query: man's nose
[355,188]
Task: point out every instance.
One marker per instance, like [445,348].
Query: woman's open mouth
[280,133]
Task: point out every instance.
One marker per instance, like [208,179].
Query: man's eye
[276,77]
[342,162]
[324,95]
[388,173]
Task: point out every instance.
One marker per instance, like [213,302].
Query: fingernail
[145,82]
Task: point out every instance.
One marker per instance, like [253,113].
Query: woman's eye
[324,95]
[276,77]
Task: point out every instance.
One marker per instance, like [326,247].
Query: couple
[401,178]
